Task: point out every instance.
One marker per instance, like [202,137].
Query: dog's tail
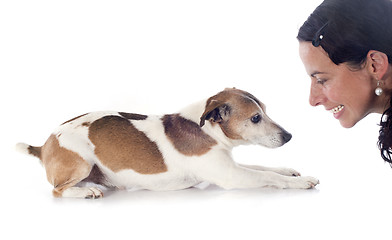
[28,149]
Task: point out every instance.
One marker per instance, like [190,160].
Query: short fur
[169,152]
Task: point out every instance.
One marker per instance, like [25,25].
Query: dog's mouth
[337,109]
[273,141]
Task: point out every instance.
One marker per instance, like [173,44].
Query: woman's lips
[337,111]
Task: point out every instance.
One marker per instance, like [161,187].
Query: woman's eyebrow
[315,73]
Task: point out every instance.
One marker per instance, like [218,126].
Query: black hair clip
[319,36]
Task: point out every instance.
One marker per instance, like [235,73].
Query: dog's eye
[256,118]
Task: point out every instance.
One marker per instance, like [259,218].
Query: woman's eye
[256,118]
[321,81]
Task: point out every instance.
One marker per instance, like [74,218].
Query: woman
[346,48]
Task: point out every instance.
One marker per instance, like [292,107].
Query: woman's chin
[347,124]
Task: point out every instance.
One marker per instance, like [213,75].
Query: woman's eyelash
[321,81]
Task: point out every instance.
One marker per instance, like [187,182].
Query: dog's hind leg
[82,192]
[65,169]
[64,186]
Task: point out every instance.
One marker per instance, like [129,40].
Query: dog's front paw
[303,182]
[287,172]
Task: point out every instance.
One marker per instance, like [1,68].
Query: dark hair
[347,30]
[385,137]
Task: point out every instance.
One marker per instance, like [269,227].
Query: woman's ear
[378,63]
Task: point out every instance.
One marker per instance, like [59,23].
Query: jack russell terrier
[169,152]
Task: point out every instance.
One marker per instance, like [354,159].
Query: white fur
[74,136]
[82,192]
[22,148]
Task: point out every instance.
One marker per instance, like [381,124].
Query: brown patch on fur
[35,151]
[64,168]
[133,116]
[119,146]
[228,108]
[187,136]
[229,130]
[74,118]
[86,124]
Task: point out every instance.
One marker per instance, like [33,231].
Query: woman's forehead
[315,59]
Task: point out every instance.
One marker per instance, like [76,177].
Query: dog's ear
[216,111]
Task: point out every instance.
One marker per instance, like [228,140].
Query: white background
[60,59]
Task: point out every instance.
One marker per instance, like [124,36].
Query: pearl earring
[378,90]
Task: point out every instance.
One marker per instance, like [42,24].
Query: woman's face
[348,94]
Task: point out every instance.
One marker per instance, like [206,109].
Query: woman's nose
[316,96]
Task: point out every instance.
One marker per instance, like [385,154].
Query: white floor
[62,59]
[352,201]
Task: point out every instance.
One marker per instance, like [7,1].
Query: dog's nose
[286,137]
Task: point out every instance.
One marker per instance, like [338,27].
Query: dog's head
[242,117]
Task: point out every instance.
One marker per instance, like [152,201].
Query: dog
[170,152]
